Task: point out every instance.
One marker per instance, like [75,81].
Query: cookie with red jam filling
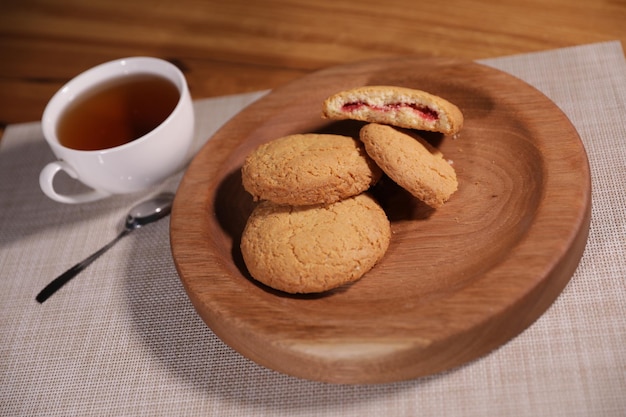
[396,106]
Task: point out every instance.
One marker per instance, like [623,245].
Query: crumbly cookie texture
[309,169]
[396,106]
[411,162]
[316,248]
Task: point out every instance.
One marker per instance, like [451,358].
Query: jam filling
[424,111]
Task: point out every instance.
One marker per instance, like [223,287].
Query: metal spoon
[143,213]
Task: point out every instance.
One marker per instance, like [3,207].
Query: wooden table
[236,46]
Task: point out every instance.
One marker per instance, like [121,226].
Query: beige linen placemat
[123,339]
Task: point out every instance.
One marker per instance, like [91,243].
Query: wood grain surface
[456,282]
[238,46]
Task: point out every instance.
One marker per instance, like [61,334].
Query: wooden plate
[455,283]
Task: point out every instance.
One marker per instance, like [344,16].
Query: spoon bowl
[149,211]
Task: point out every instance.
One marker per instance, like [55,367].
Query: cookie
[309,169]
[397,106]
[316,248]
[411,162]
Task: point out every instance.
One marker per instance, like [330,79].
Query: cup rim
[59,101]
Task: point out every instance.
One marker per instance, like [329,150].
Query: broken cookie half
[397,106]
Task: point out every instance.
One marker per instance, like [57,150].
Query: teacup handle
[46,183]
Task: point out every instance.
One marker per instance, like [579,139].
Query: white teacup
[134,166]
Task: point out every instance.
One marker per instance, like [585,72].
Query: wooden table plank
[238,46]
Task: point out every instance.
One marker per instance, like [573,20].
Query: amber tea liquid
[117,112]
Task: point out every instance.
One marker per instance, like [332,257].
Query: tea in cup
[120,127]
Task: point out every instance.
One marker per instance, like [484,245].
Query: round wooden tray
[456,282]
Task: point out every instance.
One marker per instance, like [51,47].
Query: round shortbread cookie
[397,106]
[316,248]
[308,169]
[411,162]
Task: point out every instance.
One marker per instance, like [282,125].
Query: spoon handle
[62,279]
